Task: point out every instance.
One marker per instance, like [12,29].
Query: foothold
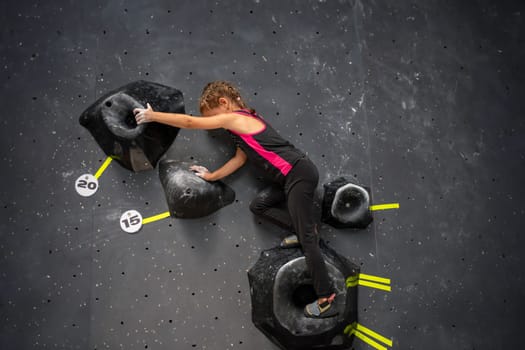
[112,123]
[280,287]
[346,205]
[190,196]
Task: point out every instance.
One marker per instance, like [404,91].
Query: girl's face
[225,106]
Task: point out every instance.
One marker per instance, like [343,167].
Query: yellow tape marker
[374,278]
[155,218]
[369,281]
[352,281]
[103,167]
[373,334]
[368,340]
[384,206]
[360,331]
[375,285]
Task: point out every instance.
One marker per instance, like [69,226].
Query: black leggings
[291,208]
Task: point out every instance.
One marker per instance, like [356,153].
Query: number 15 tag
[131,221]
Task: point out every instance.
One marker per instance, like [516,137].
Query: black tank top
[267,150]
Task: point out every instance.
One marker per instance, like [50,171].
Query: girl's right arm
[184,121]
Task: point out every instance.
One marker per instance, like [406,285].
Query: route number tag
[86,185]
[131,221]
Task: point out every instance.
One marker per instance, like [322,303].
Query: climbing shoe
[323,310]
[290,242]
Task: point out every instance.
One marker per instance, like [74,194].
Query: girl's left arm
[184,121]
[228,168]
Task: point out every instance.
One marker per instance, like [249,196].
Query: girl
[293,175]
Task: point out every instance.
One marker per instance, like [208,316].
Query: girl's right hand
[143,115]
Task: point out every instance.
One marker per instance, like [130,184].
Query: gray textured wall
[421,101]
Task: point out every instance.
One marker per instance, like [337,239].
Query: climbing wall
[421,102]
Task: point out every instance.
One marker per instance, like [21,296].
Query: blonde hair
[216,89]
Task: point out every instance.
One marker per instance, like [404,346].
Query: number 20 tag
[86,185]
[131,221]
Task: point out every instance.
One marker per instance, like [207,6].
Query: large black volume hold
[112,123]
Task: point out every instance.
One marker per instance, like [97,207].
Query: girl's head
[220,97]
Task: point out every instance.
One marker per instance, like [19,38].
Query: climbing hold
[188,195]
[112,123]
[346,204]
[280,287]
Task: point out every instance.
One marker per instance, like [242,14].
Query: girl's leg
[300,188]
[300,206]
[270,204]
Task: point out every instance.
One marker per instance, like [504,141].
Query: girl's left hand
[143,115]
[201,171]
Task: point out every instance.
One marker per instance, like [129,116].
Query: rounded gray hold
[346,205]
[351,203]
[117,114]
[293,289]
[190,196]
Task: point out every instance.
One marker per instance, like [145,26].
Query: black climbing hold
[111,122]
[280,287]
[346,204]
[188,195]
